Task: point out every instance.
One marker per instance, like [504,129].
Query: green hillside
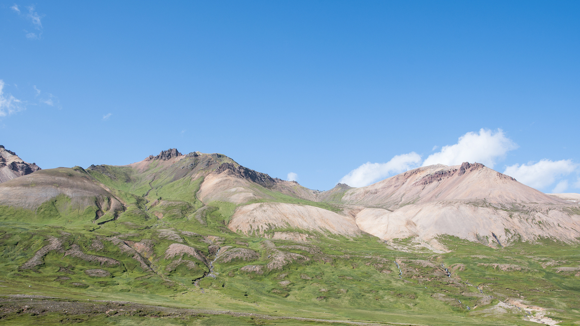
[168,258]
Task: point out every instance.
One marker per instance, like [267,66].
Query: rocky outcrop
[242,172]
[166,155]
[12,166]
[238,254]
[54,244]
[465,167]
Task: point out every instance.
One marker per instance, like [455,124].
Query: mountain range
[469,201]
[199,237]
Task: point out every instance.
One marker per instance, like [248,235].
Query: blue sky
[327,90]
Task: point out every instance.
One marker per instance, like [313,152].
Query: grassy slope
[354,287]
[346,279]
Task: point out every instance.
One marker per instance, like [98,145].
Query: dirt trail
[23,304]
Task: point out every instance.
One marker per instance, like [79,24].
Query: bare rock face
[166,155]
[257,177]
[12,166]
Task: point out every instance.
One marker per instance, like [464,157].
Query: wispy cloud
[46,98]
[32,35]
[8,103]
[35,18]
[541,174]
[292,176]
[107,116]
[486,147]
[369,172]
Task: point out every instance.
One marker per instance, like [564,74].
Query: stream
[210,273]
[400,271]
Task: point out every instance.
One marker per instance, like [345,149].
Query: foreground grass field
[328,278]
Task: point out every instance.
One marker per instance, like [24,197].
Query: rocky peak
[3,150]
[12,166]
[194,154]
[166,155]
[447,173]
[257,177]
[466,167]
[342,186]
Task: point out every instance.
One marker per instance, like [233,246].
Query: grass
[356,280]
[340,278]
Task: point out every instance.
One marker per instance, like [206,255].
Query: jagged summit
[166,155]
[262,179]
[12,166]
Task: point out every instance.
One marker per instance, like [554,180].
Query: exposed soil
[238,253]
[38,258]
[75,251]
[81,310]
[97,273]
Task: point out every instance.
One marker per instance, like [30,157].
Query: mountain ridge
[469,201]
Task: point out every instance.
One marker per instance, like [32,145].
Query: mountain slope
[467,182]
[61,192]
[469,201]
[12,166]
[211,188]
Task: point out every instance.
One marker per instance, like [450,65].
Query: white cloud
[434,148]
[36,90]
[292,176]
[34,18]
[485,147]
[8,103]
[561,187]
[48,102]
[370,172]
[107,116]
[541,174]
[15,8]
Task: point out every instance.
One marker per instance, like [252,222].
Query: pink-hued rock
[260,217]
[12,166]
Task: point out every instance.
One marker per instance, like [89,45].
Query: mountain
[569,197]
[469,201]
[437,245]
[200,183]
[12,166]
[59,193]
